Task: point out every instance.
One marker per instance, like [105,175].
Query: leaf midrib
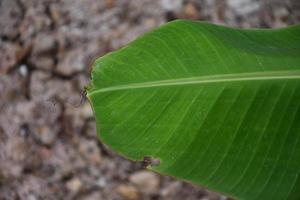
[252,76]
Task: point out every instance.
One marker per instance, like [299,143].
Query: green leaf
[219,107]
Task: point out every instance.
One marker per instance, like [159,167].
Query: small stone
[44,44]
[171,189]
[14,171]
[101,182]
[23,70]
[31,197]
[52,90]
[38,85]
[170,5]
[45,153]
[243,7]
[71,63]
[90,129]
[43,62]
[93,196]
[17,149]
[86,111]
[8,53]
[10,15]
[128,192]
[55,14]
[150,23]
[74,185]
[43,51]
[89,150]
[79,116]
[146,181]
[46,135]
[190,11]
[110,3]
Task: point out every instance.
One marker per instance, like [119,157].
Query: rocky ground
[48,144]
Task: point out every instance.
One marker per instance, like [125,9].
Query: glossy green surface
[218,106]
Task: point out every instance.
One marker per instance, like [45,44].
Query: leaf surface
[219,107]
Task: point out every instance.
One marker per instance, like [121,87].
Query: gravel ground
[48,144]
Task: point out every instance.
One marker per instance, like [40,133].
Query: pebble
[89,150]
[17,149]
[146,181]
[128,192]
[90,129]
[32,197]
[171,189]
[43,62]
[74,185]
[170,5]
[71,63]
[86,111]
[243,7]
[46,135]
[10,14]
[93,196]
[8,53]
[190,11]
[110,3]
[101,182]
[23,70]
[44,43]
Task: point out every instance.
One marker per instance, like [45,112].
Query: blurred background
[48,144]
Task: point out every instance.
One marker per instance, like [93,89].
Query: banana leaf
[218,107]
